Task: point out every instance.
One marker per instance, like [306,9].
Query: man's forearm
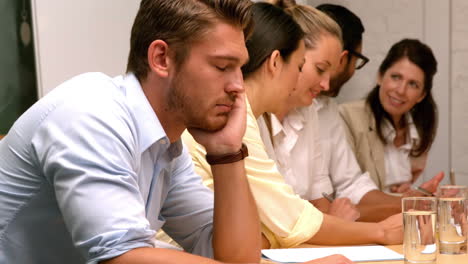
[236,235]
[322,204]
[376,196]
[376,206]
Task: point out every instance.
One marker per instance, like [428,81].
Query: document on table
[354,253]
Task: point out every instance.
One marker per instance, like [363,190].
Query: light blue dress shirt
[88,173]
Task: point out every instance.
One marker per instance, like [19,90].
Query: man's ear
[344,58]
[158,58]
[274,62]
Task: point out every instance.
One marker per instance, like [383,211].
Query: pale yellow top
[287,220]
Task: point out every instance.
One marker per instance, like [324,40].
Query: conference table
[441,258]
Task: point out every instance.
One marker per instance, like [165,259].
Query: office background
[72,37]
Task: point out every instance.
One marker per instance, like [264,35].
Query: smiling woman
[392,131]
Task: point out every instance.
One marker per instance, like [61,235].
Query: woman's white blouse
[294,144]
[397,159]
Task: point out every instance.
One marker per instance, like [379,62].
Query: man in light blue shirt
[91,170]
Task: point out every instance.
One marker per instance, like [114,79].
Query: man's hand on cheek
[229,138]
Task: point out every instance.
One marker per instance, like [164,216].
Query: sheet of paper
[354,253]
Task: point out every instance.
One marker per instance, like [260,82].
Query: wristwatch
[228,158]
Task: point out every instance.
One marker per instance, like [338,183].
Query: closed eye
[221,68]
[320,70]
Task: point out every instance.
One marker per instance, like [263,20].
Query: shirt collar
[388,131]
[412,136]
[276,126]
[320,102]
[296,119]
[149,128]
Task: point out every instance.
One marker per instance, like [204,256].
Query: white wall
[74,37]
[459,91]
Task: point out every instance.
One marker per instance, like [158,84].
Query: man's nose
[235,83]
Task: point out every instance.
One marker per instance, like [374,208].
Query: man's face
[343,73]
[206,84]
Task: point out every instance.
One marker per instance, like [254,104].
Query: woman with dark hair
[392,131]
[270,78]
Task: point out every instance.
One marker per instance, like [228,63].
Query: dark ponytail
[274,29]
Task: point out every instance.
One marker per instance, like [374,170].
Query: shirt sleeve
[188,209]
[287,220]
[88,157]
[317,177]
[347,177]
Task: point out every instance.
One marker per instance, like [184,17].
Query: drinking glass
[452,216]
[419,227]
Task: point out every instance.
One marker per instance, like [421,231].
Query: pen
[328,197]
[452,177]
[426,192]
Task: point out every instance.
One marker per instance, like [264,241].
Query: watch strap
[228,158]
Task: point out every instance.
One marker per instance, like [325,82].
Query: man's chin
[212,126]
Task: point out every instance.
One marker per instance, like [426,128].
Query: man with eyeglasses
[351,57]
[344,173]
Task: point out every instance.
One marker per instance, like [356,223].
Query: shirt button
[162,142]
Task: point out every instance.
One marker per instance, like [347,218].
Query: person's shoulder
[86,97]
[84,93]
[88,80]
[95,87]
[359,105]
[355,113]
[354,109]
[89,87]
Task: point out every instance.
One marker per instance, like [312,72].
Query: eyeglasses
[361,61]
